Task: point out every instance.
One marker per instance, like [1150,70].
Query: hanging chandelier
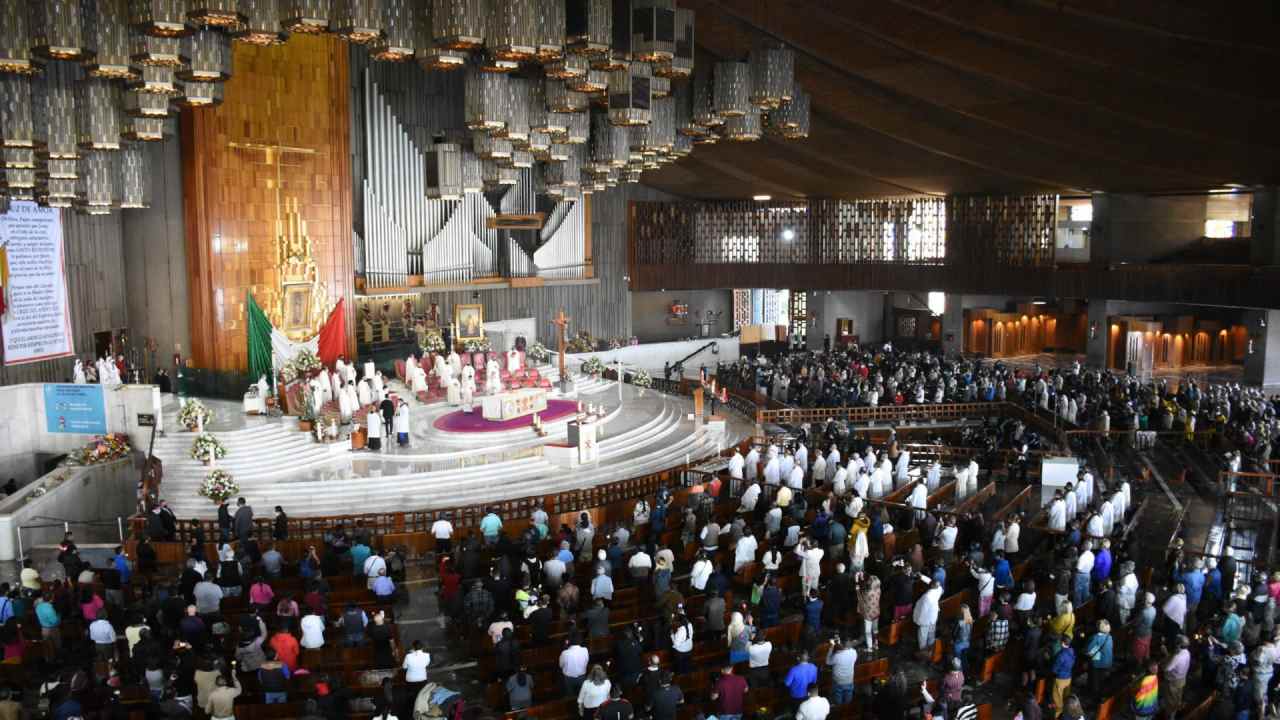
[704,112]
[743,128]
[358,21]
[213,13]
[458,24]
[732,92]
[444,171]
[618,54]
[159,18]
[106,30]
[15,39]
[792,119]
[680,65]
[653,30]
[309,17]
[57,32]
[629,94]
[208,57]
[132,174]
[485,100]
[516,112]
[154,79]
[427,51]
[550,26]
[567,67]
[198,94]
[98,103]
[772,75]
[561,99]
[261,23]
[589,26]
[401,23]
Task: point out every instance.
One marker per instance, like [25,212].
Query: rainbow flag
[1145,698]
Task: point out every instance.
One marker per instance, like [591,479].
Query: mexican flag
[269,348]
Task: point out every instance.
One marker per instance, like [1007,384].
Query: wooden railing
[883,413]
[1264,483]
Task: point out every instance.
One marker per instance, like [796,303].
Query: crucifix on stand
[562,321]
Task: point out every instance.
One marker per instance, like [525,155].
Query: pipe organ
[411,239]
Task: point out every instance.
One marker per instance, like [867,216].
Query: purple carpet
[458,421]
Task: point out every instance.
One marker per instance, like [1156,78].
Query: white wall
[864,307]
[92,494]
[22,421]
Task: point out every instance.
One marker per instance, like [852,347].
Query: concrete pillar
[1096,334]
[1264,233]
[953,325]
[1262,366]
[822,323]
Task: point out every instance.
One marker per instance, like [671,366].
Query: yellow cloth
[1063,624]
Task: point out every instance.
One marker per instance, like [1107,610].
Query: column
[1096,333]
[889,331]
[822,324]
[953,325]
[1264,233]
[1100,229]
[1262,366]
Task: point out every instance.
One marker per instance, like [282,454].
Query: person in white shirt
[815,707]
[442,531]
[986,588]
[374,565]
[749,498]
[593,693]
[772,471]
[919,500]
[833,461]
[736,465]
[573,666]
[1106,516]
[701,572]
[795,480]
[840,483]
[900,470]
[640,564]
[1127,592]
[1058,513]
[819,468]
[947,539]
[925,616]
[1084,566]
[312,631]
[415,663]
[802,457]
[497,626]
[810,565]
[786,465]
[745,551]
[1011,533]
[758,653]
[752,465]
[934,477]
[771,559]
[1093,526]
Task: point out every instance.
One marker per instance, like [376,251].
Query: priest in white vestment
[772,471]
[78,373]
[802,457]
[468,389]
[934,477]
[344,404]
[904,464]
[369,369]
[752,465]
[455,363]
[1057,514]
[833,461]
[453,391]
[736,465]
[513,360]
[364,393]
[418,381]
[919,500]
[492,377]
[444,372]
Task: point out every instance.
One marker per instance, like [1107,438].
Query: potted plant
[194,414]
[538,353]
[207,448]
[642,380]
[594,366]
[218,485]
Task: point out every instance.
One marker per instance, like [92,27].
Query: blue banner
[78,409]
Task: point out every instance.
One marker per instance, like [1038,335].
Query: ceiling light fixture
[762,198]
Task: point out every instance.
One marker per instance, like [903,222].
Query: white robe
[787,464]
[904,462]
[819,467]
[919,500]
[1057,515]
[772,472]
[833,460]
[802,457]
[353,398]
[317,395]
[409,366]
[78,373]
[364,393]
[861,486]
[736,464]
[455,363]
[349,374]
[934,477]
[401,423]
[378,385]
[878,485]
[1070,499]
[453,392]
[344,405]
[513,360]
[468,393]
[752,463]
[840,483]
[444,373]
[492,378]
[369,369]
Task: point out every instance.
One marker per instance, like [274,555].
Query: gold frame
[291,325]
[458,311]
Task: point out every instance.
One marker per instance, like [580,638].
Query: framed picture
[297,307]
[470,321]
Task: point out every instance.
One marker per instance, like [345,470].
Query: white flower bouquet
[218,485]
[481,345]
[642,379]
[432,342]
[538,352]
[193,414]
[593,366]
[207,447]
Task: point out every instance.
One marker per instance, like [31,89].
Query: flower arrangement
[207,447]
[103,448]
[305,363]
[218,485]
[432,342]
[480,345]
[194,414]
[538,352]
[617,343]
[582,342]
[593,366]
[642,379]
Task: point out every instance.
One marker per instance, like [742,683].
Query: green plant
[593,366]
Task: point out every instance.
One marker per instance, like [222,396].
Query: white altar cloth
[513,404]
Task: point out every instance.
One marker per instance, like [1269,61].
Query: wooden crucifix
[562,321]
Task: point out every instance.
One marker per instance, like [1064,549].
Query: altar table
[513,404]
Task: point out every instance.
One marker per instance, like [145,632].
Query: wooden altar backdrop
[274,155]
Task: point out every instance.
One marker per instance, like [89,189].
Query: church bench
[562,709]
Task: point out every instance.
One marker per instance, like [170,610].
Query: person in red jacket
[286,647]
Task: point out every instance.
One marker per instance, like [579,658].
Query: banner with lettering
[35,322]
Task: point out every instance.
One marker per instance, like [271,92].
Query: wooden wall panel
[295,95]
